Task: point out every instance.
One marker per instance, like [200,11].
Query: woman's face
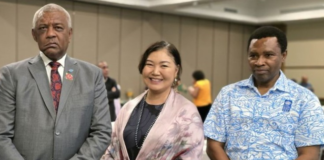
[159,71]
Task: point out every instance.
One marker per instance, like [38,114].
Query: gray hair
[50,8]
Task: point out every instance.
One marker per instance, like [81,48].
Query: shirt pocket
[283,116]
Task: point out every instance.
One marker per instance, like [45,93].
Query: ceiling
[243,11]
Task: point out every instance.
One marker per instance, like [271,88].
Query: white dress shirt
[48,67]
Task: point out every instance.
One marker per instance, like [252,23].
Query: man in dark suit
[52,106]
[112,89]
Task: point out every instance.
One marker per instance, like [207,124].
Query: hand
[191,88]
[113,89]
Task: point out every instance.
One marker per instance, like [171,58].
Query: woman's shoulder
[131,103]
[183,101]
[202,82]
[186,108]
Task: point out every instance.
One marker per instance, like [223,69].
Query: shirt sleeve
[197,85]
[310,130]
[214,125]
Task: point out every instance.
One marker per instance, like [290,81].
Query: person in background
[304,82]
[159,123]
[201,93]
[117,102]
[112,90]
[52,106]
[266,116]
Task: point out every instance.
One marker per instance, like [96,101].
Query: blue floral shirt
[269,126]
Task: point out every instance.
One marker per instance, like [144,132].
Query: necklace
[139,121]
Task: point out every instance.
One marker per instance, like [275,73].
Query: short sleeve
[310,130]
[214,125]
[197,84]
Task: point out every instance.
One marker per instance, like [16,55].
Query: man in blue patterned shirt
[266,116]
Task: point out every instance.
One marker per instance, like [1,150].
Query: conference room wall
[305,53]
[120,35]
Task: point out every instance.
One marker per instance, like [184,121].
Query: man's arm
[8,150]
[215,127]
[309,132]
[100,131]
[114,93]
[308,153]
[215,150]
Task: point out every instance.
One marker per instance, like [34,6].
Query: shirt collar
[281,83]
[47,60]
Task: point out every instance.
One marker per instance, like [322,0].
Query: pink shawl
[176,134]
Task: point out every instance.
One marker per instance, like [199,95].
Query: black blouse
[150,113]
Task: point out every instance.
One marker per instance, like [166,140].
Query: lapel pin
[68,76]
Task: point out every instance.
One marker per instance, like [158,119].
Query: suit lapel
[70,70]
[38,71]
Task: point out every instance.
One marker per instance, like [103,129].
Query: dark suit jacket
[110,83]
[29,127]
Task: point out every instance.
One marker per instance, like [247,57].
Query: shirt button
[57,133]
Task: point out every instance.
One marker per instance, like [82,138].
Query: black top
[150,113]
